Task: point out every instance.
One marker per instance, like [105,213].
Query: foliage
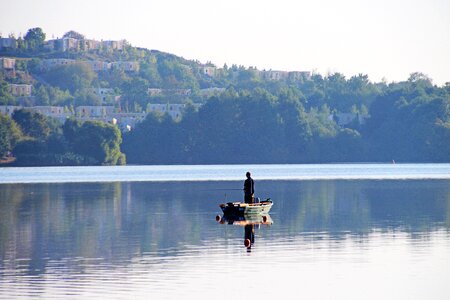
[135,92]
[96,140]
[410,122]
[10,134]
[46,143]
[35,38]
[250,119]
[73,77]
[32,124]
[74,35]
[5,96]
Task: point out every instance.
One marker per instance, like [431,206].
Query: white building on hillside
[209,70]
[105,94]
[8,110]
[113,45]
[154,91]
[50,63]
[127,121]
[299,75]
[98,65]
[94,111]
[56,112]
[8,43]
[7,63]
[275,75]
[174,110]
[127,66]
[20,89]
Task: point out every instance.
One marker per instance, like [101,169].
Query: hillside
[240,115]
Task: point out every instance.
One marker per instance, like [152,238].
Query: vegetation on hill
[249,118]
[410,123]
[36,141]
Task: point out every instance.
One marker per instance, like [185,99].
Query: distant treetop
[74,35]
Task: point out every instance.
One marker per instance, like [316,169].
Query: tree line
[409,122]
[34,140]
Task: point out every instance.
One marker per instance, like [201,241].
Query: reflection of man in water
[249,188]
[249,236]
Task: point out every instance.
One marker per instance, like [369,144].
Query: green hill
[243,115]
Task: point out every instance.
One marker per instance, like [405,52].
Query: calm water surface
[224,172]
[153,239]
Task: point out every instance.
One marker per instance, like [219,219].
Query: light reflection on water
[163,173]
[329,239]
[386,264]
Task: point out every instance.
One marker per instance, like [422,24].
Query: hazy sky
[381,38]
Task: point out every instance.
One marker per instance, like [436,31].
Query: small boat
[239,208]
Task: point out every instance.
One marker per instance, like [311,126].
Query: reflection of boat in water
[254,219]
[249,222]
[239,208]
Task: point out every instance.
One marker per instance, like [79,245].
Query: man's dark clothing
[249,190]
[249,233]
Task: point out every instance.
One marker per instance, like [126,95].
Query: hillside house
[209,71]
[50,63]
[154,92]
[178,92]
[299,75]
[168,92]
[88,45]
[66,44]
[105,94]
[127,66]
[127,121]
[23,90]
[8,110]
[113,45]
[56,112]
[173,110]
[7,63]
[94,111]
[98,65]
[275,75]
[8,43]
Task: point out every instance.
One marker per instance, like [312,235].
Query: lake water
[150,232]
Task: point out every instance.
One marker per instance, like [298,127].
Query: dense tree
[32,124]
[409,123]
[97,140]
[10,134]
[73,77]
[86,97]
[5,96]
[149,71]
[35,38]
[74,35]
[135,91]
[176,75]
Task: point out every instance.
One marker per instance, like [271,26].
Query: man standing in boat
[249,188]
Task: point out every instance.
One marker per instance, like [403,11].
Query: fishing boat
[240,208]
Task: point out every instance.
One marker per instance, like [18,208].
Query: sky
[385,39]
